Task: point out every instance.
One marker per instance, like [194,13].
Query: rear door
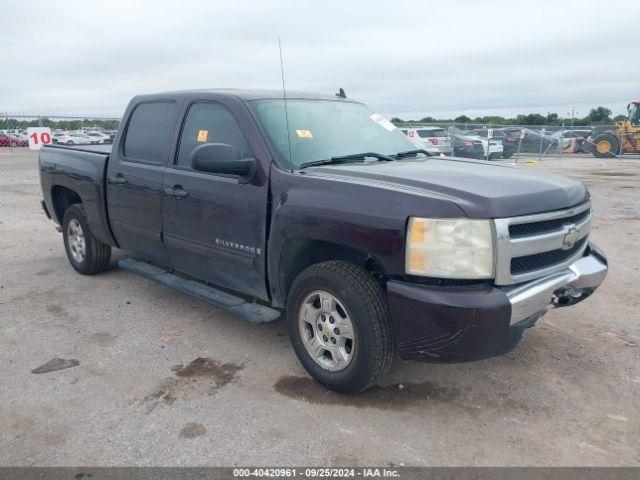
[134,179]
[215,226]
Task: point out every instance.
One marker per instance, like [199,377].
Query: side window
[148,133]
[210,123]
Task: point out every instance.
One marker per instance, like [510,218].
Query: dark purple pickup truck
[320,209]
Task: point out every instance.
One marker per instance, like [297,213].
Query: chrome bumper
[567,287]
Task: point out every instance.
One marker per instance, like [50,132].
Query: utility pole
[572,114]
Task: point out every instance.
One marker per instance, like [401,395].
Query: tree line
[596,116]
[14,123]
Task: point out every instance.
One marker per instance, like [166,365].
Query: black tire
[97,257]
[507,155]
[365,301]
[604,140]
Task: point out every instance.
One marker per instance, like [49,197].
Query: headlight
[459,248]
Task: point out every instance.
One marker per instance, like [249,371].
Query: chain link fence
[513,143]
[19,176]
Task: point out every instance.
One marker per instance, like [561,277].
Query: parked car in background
[56,135]
[509,140]
[491,149]
[428,146]
[10,140]
[431,139]
[74,138]
[467,148]
[98,137]
[578,140]
[535,141]
[20,135]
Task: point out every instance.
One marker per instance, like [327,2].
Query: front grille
[536,228]
[532,246]
[538,261]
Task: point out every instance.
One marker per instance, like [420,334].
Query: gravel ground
[164,379]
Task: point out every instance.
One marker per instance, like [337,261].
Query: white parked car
[432,139]
[74,138]
[419,144]
[98,137]
[21,136]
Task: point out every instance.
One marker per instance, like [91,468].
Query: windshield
[633,114]
[322,129]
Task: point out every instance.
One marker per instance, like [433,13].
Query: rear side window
[210,123]
[148,132]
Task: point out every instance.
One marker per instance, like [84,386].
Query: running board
[254,312]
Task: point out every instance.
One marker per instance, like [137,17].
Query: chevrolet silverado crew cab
[319,209]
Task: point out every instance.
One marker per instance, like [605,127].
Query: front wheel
[339,324]
[86,253]
[606,146]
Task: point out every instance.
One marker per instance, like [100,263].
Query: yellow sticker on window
[304,133]
[202,135]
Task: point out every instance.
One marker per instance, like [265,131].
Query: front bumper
[463,323]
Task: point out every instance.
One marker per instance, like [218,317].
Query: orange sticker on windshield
[304,133]
[202,135]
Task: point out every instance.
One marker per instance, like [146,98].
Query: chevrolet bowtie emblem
[570,239]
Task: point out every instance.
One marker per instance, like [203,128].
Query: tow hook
[570,296]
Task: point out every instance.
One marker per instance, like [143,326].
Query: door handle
[176,191]
[119,179]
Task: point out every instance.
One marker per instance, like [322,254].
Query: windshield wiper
[346,158]
[410,153]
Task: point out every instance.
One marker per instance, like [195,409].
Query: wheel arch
[62,198]
[299,253]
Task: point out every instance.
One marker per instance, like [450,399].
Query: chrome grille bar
[564,237]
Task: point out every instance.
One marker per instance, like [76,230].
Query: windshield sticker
[304,133]
[202,135]
[383,122]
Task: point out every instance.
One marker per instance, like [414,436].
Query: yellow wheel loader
[623,137]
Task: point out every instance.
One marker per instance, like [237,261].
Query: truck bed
[80,169]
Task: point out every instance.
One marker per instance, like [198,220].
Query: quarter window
[210,123]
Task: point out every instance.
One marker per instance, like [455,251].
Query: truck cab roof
[246,94]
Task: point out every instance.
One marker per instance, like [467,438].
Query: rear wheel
[86,253]
[606,146]
[339,325]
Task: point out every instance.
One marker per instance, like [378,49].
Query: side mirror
[222,159]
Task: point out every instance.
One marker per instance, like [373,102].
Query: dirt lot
[166,380]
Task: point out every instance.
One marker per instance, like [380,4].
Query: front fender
[361,217]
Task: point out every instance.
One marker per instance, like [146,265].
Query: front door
[214,227]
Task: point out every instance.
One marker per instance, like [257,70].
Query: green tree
[531,119]
[552,118]
[462,119]
[599,115]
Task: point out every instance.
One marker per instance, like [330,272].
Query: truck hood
[481,189]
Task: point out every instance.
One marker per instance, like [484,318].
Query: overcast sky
[404,58]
